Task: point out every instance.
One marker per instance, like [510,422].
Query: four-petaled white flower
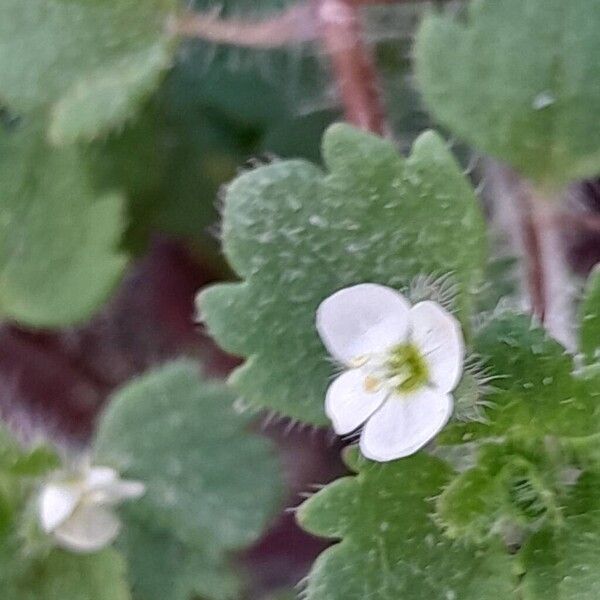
[401,364]
[76,508]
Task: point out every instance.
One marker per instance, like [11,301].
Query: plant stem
[293,25]
[352,64]
[532,245]
[296,24]
[532,223]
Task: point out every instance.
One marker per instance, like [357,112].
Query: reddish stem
[296,24]
[293,25]
[582,220]
[534,263]
[352,63]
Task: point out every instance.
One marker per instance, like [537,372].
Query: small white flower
[401,365]
[76,508]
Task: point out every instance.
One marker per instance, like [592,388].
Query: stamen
[359,361]
[372,384]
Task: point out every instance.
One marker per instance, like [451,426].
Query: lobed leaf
[296,235]
[211,485]
[88,60]
[59,256]
[520,80]
[391,549]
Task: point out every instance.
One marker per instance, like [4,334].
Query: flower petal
[348,404]
[57,503]
[438,335]
[404,424]
[100,478]
[362,319]
[116,492]
[89,529]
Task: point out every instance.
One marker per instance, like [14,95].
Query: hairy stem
[352,64]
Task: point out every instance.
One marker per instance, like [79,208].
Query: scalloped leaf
[59,256]
[520,80]
[210,483]
[562,564]
[534,391]
[89,60]
[391,548]
[296,235]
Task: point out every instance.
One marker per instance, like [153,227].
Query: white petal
[439,337]
[57,503]
[89,529]
[362,319]
[404,424]
[348,404]
[100,477]
[116,492]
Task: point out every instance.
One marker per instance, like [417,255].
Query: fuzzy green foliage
[85,60]
[520,80]
[562,563]
[391,548]
[534,391]
[59,258]
[296,235]
[212,486]
[589,328]
[509,488]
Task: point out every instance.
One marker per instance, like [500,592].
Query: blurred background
[223,108]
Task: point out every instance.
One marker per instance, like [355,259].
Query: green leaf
[562,564]
[500,281]
[468,506]
[19,468]
[509,487]
[108,98]
[391,548]
[209,482]
[589,329]
[519,80]
[58,251]
[62,575]
[534,391]
[86,56]
[161,567]
[296,235]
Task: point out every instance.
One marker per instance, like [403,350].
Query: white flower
[401,365]
[76,509]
